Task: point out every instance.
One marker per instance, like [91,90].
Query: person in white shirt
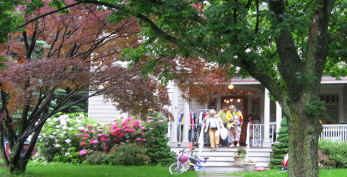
[213,124]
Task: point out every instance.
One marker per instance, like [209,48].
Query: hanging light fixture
[230,86]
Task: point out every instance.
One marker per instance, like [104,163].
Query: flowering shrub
[76,138]
[59,139]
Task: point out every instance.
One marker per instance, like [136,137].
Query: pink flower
[89,126]
[103,139]
[138,139]
[92,131]
[82,143]
[160,121]
[83,130]
[100,135]
[85,138]
[94,141]
[136,123]
[127,127]
[105,148]
[86,135]
[124,122]
[79,135]
[142,128]
[149,120]
[131,130]
[142,133]
[150,128]
[83,152]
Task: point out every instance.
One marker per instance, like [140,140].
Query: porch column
[249,105]
[186,123]
[219,105]
[278,118]
[173,109]
[266,142]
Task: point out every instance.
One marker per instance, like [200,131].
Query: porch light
[239,100]
[230,86]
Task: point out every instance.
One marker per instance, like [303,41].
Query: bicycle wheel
[174,169]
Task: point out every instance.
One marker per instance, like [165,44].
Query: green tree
[286,45]
[280,148]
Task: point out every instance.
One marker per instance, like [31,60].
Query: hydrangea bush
[75,138]
[59,139]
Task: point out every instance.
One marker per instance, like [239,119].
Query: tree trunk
[17,166]
[303,143]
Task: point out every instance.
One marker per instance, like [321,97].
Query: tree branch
[289,59]
[46,14]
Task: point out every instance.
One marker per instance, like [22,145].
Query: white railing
[256,137]
[334,132]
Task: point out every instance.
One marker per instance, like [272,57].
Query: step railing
[256,135]
[334,132]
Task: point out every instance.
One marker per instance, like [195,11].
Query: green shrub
[337,151]
[156,141]
[97,158]
[128,154]
[280,148]
[59,139]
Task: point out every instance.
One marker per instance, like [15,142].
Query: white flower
[68,141]
[57,145]
[67,153]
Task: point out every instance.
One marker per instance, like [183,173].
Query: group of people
[226,123]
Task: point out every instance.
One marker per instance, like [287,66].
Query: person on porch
[213,124]
[234,125]
[223,115]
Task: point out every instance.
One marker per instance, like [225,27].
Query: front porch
[254,100]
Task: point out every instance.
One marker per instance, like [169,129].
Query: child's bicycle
[186,161]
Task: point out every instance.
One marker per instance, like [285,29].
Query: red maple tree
[55,53]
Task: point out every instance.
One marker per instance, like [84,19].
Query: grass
[68,170]
[340,172]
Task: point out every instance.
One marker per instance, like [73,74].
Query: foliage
[82,170]
[285,45]
[337,151]
[76,138]
[60,137]
[156,141]
[128,154]
[280,148]
[52,55]
[97,158]
[122,131]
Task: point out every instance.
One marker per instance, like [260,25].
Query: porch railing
[334,132]
[255,135]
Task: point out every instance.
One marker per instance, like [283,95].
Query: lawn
[276,173]
[68,170]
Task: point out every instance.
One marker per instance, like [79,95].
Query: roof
[252,81]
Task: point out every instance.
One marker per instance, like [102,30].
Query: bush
[337,151]
[128,154]
[97,158]
[280,148]
[60,137]
[157,142]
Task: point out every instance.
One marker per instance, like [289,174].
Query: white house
[251,98]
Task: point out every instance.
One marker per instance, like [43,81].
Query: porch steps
[222,160]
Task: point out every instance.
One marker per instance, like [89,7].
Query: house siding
[103,110]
